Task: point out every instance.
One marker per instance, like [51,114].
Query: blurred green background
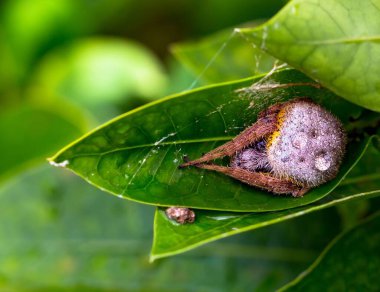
[66,66]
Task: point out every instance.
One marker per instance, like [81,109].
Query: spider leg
[273,109]
[263,127]
[261,180]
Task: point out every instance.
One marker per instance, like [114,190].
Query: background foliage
[67,66]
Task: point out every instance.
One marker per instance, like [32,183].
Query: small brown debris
[180,215]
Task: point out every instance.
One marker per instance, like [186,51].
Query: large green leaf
[171,238]
[31,132]
[336,42]
[136,155]
[350,262]
[58,234]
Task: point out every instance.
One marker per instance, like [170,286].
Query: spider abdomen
[308,146]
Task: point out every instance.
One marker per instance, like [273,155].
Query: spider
[292,147]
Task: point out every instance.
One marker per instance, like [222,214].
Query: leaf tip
[63,163]
[152,258]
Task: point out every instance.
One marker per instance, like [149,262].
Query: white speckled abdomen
[308,146]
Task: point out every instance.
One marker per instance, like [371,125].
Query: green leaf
[335,42]
[223,56]
[171,238]
[350,262]
[136,155]
[29,133]
[364,177]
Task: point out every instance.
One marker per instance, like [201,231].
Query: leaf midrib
[152,145]
[375,38]
[347,40]
[327,42]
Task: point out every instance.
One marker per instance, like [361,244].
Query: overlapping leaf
[136,156]
[224,56]
[336,42]
[172,238]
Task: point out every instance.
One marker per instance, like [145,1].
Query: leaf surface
[136,155]
[171,238]
[336,42]
[350,262]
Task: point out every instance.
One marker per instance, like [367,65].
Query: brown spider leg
[262,128]
[261,180]
[272,110]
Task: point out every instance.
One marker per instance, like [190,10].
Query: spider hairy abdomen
[308,146]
